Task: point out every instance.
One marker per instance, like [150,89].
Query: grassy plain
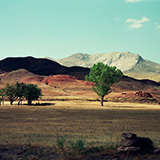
[42,124]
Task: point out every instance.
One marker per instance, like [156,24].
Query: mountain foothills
[125,61]
[57,80]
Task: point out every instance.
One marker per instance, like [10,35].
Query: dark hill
[143,81]
[40,66]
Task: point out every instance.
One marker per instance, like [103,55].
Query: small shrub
[60,142]
[77,146]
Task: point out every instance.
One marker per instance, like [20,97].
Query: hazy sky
[59,28]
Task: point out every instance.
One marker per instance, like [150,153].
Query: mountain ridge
[143,69]
[126,61]
[40,66]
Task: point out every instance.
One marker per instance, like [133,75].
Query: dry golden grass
[42,124]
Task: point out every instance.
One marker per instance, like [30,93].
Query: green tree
[10,92]
[103,77]
[20,91]
[32,92]
[2,94]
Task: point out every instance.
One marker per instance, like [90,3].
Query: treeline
[20,91]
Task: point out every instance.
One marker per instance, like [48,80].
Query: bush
[77,145]
[60,142]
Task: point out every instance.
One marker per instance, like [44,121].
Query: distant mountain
[41,66]
[126,61]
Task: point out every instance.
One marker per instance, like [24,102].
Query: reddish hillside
[34,79]
[64,80]
[67,85]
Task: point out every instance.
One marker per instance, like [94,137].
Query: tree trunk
[29,102]
[102,100]
[11,102]
[20,101]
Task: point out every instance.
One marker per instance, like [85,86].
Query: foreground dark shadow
[31,152]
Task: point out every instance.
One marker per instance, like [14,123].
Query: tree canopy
[10,92]
[32,92]
[20,90]
[103,77]
[2,94]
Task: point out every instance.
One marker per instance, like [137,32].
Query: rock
[143,94]
[129,135]
[129,142]
[146,141]
[132,143]
[147,149]
[146,145]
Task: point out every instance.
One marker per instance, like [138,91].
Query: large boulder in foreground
[133,144]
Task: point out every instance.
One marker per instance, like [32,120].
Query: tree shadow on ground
[41,104]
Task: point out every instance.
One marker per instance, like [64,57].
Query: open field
[43,123]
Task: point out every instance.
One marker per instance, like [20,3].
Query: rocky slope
[126,61]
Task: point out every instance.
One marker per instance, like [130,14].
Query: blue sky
[59,28]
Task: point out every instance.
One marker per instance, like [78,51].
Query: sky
[60,28]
